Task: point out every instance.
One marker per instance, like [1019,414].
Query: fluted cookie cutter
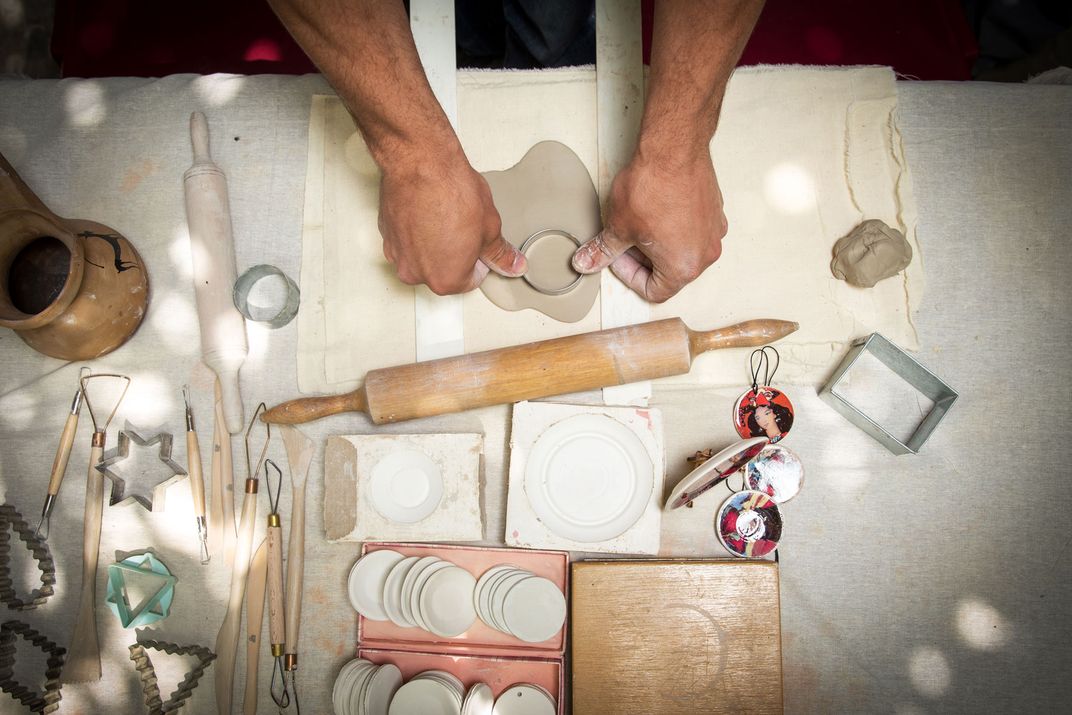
[44,702]
[10,517]
[139,653]
[120,494]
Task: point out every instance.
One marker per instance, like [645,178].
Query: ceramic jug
[70,288]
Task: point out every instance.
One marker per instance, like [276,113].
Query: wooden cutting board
[676,637]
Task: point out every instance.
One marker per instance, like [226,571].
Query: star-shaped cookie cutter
[119,495]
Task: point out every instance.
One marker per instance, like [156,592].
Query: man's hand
[440,226]
[664,225]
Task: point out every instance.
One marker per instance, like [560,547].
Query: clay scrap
[871,252]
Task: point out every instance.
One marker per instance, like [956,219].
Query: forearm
[365,49]
[695,46]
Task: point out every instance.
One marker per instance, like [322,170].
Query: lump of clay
[869,253]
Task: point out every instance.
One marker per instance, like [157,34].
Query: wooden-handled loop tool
[63,455]
[299,456]
[276,622]
[83,663]
[227,638]
[197,479]
[561,366]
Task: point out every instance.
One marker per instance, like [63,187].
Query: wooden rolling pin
[223,329]
[550,367]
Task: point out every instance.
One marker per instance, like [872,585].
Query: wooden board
[676,637]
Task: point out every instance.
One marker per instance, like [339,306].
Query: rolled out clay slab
[871,252]
[549,206]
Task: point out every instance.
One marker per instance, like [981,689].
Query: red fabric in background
[924,39]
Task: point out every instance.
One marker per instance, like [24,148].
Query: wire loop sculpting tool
[83,661]
[63,455]
[197,479]
[227,639]
[276,625]
[299,456]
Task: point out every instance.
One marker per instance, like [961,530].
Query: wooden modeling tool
[197,479]
[83,661]
[255,591]
[299,456]
[276,624]
[221,524]
[63,455]
[227,638]
[524,372]
[223,329]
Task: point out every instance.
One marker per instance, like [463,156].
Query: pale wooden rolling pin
[551,367]
[223,329]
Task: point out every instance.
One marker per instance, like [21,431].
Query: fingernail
[520,265]
[582,260]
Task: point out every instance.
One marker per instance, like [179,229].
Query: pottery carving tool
[197,479]
[208,213]
[276,625]
[255,591]
[83,661]
[524,372]
[299,456]
[63,455]
[227,638]
[221,524]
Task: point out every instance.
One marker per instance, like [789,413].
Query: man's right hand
[439,224]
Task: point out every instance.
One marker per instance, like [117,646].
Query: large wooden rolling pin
[223,329]
[550,367]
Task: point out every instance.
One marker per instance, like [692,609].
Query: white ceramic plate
[446,602]
[589,478]
[479,700]
[524,699]
[456,687]
[392,591]
[424,696]
[381,688]
[418,588]
[406,486]
[534,610]
[410,580]
[366,582]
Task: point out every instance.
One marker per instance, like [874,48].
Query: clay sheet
[802,155]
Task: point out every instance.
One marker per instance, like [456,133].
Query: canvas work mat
[803,155]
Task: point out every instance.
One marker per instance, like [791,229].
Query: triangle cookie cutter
[120,495]
[156,607]
[139,653]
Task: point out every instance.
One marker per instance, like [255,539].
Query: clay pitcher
[70,288]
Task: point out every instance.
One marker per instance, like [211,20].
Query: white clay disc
[446,602]
[418,589]
[524,700]
[367,579]
[392,591]
[381,688]
[410,581]
[479,700]
[406,486]
[534,610]
[424,696]
[589,478]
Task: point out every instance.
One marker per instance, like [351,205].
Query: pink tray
[498,673]
[480,639]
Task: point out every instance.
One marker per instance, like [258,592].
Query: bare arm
[665,223]
[437,218]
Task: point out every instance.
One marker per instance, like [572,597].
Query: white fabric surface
[797,174]
[909,584]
